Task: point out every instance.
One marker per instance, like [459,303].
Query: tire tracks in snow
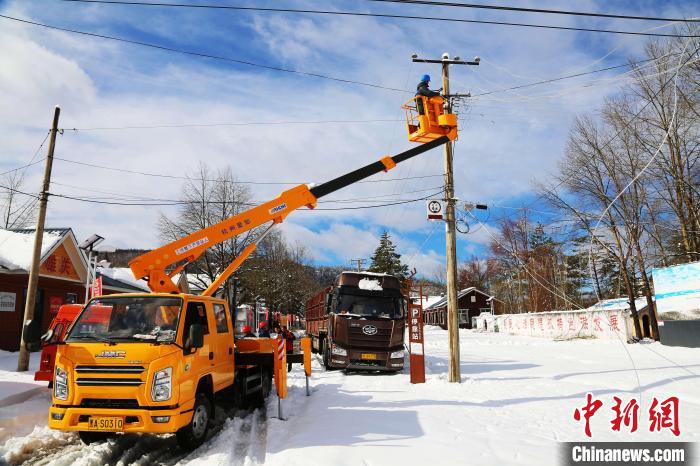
[242,432]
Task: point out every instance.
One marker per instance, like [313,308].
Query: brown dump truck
[359,322]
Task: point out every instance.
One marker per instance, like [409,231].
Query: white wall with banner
[604,324]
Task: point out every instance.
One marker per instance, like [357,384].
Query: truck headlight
[60,384]
[162,384]
[397,354]
[337,350]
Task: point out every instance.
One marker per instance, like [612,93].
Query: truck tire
[258,398]
[326,355]
[193,434]
[88,437]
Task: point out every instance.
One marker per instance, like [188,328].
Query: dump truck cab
[359,322]
[146,362]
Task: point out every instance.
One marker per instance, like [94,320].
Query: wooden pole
[23,361]
[451,250]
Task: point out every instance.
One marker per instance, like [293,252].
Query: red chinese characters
[588,411]
[664,415]
[629,415]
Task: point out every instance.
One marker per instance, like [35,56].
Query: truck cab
[147,362]
[359,322]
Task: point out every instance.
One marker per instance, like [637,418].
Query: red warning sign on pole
[415,336]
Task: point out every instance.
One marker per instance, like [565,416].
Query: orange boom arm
[152,265]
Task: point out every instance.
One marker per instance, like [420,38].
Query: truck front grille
[109,369]
[112,403]
[380,340]
[95,382]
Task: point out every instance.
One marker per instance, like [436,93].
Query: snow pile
[370,284]
[514,406]
[123,274]
[16,248]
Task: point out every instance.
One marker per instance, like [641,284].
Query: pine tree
[387,260]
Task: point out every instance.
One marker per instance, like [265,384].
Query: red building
[471,303]
[62,276]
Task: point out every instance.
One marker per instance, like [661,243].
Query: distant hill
[120,257]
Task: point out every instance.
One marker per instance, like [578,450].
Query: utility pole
[360,263]
[450,226]
[23,361]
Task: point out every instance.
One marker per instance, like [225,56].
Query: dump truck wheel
[326,355]
[193,434]
[93,437]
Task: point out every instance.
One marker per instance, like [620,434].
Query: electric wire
[532,10]
[372,15]
[210,125]
[180,177]
[201,54]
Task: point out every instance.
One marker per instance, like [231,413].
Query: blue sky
[507,140]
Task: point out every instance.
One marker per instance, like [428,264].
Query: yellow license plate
[111,424]
[368,356]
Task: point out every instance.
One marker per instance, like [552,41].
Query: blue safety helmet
[426,78]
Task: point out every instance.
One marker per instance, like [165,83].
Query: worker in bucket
[248,332]
[263,332]
[423,89]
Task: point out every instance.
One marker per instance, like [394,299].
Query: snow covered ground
[514,405]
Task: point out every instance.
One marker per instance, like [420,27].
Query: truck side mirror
[47,336]
[32,339]
[196,337]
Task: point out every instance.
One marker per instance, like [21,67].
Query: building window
[71,298]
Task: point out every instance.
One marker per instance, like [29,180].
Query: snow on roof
[124,275]
[443,299]
[618,304]
[369,284]
[17,247]
[373,274]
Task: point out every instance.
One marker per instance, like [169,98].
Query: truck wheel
[326,355]
[93,437]
[193,434]
[259,397]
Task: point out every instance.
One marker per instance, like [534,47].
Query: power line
[533,10]
[162,204]
[575,75]
[375,15]
[178,177]
[203,55]
[208,125]
[23,167]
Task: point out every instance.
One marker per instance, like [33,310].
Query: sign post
[415,337]
[435,209]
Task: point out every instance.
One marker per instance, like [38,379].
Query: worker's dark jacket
[263,333]
[425,91]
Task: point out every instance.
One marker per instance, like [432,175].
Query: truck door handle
[211,355]
[230,351]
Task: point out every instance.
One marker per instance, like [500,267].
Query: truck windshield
[370,306]
[148,318]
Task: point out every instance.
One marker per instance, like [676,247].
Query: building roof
[121,279]
[618,304]
[442,302]
[17,247]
